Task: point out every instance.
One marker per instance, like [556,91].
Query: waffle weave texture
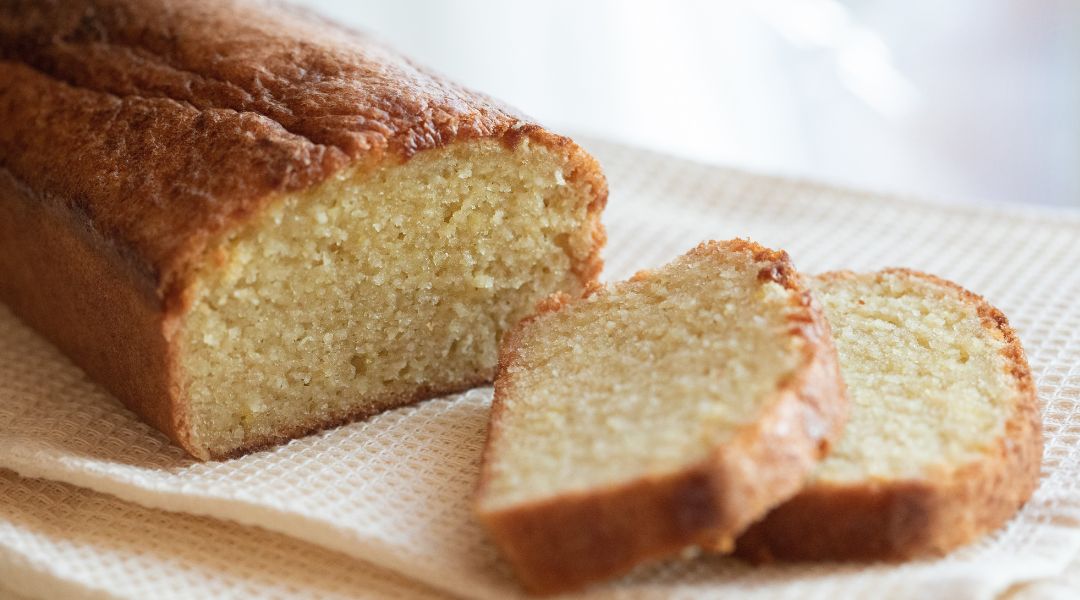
[381,508]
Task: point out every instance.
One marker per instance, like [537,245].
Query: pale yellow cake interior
[927,380]
[354,295]
[642,379]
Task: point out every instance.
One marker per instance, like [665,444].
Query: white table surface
[967,100]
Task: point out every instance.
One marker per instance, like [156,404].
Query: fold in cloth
[63,541]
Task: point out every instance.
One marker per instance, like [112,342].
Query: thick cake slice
[249,224]
[944,441]
[661,413]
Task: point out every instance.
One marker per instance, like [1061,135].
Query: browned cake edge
[568,541]
[895,520]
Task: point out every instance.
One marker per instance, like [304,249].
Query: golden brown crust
[115,332]
[145,130]
[895,520]
[571,540]
[161,98]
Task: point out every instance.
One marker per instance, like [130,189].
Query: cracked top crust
[164,123]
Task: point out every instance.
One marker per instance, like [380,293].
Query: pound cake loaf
[944,441]
[250,224]
[662,413]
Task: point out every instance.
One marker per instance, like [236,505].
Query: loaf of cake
[249,224]
[944,441]
[659,414]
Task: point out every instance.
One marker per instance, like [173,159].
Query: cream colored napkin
[394,491]
[62,541]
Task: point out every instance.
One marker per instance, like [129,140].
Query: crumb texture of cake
[944,440]
[350,298]
[666,411]
[641,380]
[249,223]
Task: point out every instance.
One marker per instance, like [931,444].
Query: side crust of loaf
[568,541]
[897,520]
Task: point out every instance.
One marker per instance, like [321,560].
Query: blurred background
[958,100]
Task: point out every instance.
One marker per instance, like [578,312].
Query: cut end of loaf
[381,287]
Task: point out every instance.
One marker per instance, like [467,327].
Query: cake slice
[944,441]
[249,224]
[661,413]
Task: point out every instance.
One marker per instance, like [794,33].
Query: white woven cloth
[394,491]
[62,541]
